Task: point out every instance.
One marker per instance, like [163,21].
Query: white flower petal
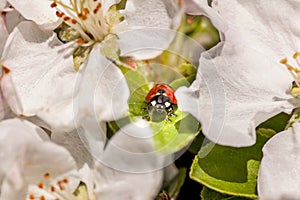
[279,170]
[14,135]
[38,11]
[145,43]
[237,90]
[135,13]
[31,168]
[2,4]
[103,90]
[102,96]
[112,184]
[129,165]
[4,108]
[13,18]
[60,115]
[131,150]
[3,32]
[88,177]
[260,25]
[74,144]
[147,28]
[34,80]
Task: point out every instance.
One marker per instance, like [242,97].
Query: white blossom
[241,82]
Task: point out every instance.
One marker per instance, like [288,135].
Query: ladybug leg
[146,118]
[148,110]
[170,114]
[168,119]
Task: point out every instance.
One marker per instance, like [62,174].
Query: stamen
[84,17]
[99,5]
[53,5]
[45,190]
[295,72]
[73,21]
[180,2]
[41,185]
[47,175]
[61,187]
[52,188]
[80,41]
[67,18]
[295,56]
[5,69]
[283,61]
[59,14]
[86,11]
[31,196]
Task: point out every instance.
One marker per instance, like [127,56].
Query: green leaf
[180,82]
[170,135]
[230,170]
[187,69]
[197,143]
[208,194]
[139,89]
[276,123]
[294,118]
[114,126]
[173,136]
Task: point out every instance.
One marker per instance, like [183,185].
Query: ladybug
[160,101]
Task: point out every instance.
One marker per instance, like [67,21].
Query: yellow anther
[283,61]
[296,54]
[295,92]
[295,72]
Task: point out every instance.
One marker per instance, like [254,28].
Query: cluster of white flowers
[41,88]
[246,79]
[53,115]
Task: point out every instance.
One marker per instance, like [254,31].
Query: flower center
[295,72]
[84,16]
[49,188]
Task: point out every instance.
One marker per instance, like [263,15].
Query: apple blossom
[241,82]
[26,170]
[41,169]
[47,89]
[126,166]
[279,170]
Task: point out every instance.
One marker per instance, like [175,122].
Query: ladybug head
[159,107]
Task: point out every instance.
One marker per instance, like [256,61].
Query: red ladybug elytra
[160,101]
